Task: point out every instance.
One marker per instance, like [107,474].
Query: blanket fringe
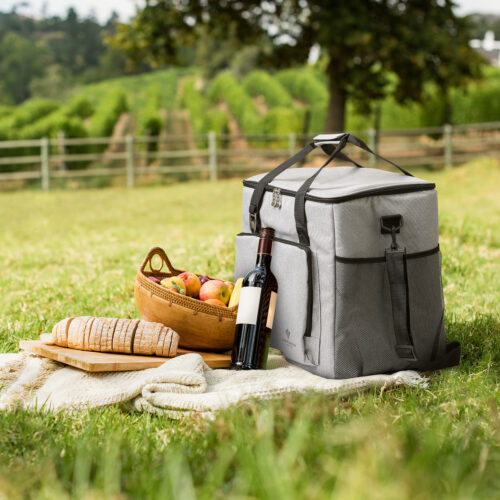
[411,378]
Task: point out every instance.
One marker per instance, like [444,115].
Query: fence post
[372,143]
[129,143]
[44,161]
[292,143]
[448,145]
[61,148]
[212,155]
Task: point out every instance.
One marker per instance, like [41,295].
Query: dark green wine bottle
[256,309]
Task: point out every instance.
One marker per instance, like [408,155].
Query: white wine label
[248,308]
[272,309]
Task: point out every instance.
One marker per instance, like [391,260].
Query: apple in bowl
[175,284]
[192,283]
[215,289]
[215,302]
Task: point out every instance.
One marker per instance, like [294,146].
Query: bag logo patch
[286,339]
[276,201]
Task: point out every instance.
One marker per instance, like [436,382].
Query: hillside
[180,101]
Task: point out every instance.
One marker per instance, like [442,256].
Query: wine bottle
[254,321]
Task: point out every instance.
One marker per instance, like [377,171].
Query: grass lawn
[70,253]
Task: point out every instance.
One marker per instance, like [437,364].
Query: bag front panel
[357,224]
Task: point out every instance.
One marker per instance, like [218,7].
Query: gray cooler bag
[357,260]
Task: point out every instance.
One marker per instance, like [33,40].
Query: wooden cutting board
[109,362]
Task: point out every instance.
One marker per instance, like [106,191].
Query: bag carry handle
[300,198]
[326,141]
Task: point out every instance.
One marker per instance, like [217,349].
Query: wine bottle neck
[264,260]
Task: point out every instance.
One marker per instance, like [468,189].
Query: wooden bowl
[201,326]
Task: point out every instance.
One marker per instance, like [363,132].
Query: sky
[102,9]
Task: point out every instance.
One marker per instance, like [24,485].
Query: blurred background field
[76,252]
[89,103]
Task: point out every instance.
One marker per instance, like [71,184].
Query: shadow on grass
[479,337]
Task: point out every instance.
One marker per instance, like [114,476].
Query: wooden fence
[212,156]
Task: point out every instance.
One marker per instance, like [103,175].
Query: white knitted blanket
[180,386]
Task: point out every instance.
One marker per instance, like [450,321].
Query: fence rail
[212,155]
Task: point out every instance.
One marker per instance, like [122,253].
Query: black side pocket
[426,308]
[365,340]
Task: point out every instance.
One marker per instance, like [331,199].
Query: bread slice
[94,332]
[170,342]
[126,339]
[115,342]
[144,340]
[60,332]
[161,339]
[77,330]
[172,351]
[108,329]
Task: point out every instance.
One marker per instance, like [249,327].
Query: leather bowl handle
[165,261]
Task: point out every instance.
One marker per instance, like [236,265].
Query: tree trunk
[377,119]
[447,108]
[335,119]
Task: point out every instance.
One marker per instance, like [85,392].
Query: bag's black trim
[369,260]
[308,252]
[348,197]
[397,275]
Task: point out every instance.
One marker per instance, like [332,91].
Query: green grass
[76,252]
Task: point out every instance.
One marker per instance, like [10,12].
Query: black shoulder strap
[360,144]
[395,259]
[332,144]
[258,192]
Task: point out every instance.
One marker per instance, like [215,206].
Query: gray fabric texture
[357,224]
[341,181]
[352,326]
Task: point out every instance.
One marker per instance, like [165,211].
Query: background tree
[46,57]
[20,61]
[363,41]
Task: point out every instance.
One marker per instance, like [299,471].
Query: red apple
[215,289]
[192,283]
[154,280]
[215,302]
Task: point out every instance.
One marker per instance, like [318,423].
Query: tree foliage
[45,57]
[362,42]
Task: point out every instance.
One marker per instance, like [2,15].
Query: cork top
[266,236]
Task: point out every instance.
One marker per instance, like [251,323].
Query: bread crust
[130,336]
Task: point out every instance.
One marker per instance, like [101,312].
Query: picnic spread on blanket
[340,270]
